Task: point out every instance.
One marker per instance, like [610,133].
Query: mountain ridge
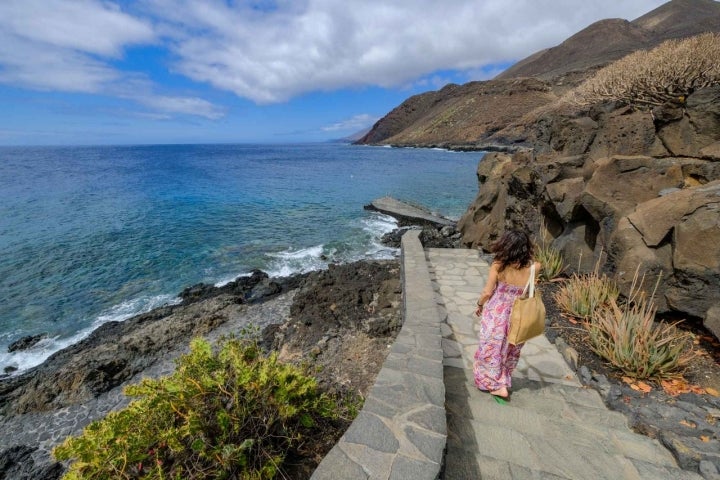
[466,116]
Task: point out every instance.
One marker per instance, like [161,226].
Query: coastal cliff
[621,188]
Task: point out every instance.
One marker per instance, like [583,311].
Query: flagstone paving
[552,428]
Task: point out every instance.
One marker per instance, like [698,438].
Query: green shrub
[669,72]
[581,295]
[230,414]
[631,341]
[551,261]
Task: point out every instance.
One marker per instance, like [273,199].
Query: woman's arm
[489,287]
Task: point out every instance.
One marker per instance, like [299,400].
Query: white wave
[379,251]
[378,224]
[38,353]
[133,307]
[315,251]
[303,260]
[226,280]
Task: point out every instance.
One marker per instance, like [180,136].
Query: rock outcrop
[622,187]
[338,316]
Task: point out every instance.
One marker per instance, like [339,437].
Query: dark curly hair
[514,247]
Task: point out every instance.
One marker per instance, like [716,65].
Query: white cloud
[270,51]
[152,116]
[58,45]
[182,105]
[82,25]
[47,67]
[66,45]
[355,123]
[272,54]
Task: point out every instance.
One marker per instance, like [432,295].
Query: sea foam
[38,353]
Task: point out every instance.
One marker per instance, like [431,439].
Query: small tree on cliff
[647,78]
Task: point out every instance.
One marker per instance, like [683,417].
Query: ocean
[94,234]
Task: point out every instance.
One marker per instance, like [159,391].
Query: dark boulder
[17,463]
[240,288]
[26,342]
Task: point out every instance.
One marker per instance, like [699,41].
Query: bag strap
[530,283]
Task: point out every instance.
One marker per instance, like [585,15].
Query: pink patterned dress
[495,359]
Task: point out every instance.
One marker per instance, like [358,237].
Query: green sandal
[499,400]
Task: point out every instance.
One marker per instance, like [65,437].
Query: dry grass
[646,78]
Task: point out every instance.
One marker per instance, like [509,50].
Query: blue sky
[182,71]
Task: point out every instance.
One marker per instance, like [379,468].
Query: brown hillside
[681,18]
[475,115]
[459,116]
[404,116]
[609,40]
[597,44]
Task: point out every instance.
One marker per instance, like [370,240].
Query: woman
[495,359]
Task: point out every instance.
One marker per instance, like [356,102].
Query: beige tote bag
[527,319]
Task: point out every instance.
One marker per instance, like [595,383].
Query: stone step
[552,450]
[559,456]
[545,431]
[554,411]
[464,465]
[561,401]
[554,400]
[598,436]
[650,471]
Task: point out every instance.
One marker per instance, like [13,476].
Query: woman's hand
[478,310]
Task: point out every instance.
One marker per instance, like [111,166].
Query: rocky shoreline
[332,316]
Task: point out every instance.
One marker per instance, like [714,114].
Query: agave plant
[630,339]
[551,261]
[581,295]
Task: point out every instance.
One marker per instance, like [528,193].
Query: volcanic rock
[26,342]
[644,208]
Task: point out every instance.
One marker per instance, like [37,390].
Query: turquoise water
[92,234]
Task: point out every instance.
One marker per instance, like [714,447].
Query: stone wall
[401,431]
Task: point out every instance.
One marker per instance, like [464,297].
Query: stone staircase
[424,419]
[552,428]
